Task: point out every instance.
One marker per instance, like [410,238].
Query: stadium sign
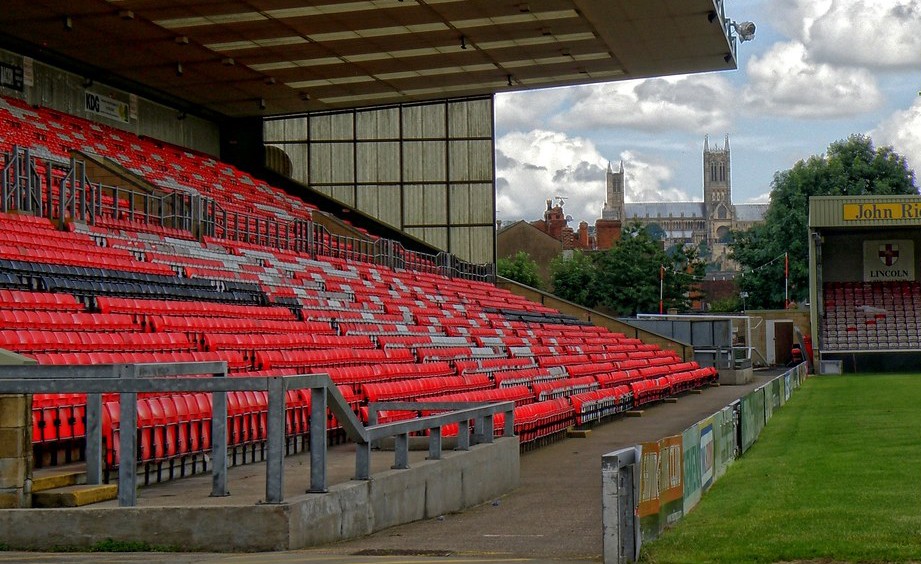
[881,211]
[888,260]
[11,77]
[105,106]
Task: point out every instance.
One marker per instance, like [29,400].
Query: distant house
[523,236]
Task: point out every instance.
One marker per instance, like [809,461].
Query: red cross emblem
[889,254]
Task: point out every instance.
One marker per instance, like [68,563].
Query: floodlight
[746,30]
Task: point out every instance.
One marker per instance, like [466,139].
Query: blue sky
[816,71]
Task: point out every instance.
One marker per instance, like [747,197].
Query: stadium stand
[122,289]
[871,316]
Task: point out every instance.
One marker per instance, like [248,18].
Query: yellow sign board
[873,211]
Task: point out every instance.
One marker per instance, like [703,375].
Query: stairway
[68,488]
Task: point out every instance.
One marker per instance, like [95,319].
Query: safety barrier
[129,380]
[650,486]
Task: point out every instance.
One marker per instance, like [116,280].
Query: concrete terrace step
[74,495]
[49,480]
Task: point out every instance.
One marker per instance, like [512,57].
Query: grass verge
[835,475]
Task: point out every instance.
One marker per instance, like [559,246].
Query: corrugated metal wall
[426,169]
[66,92]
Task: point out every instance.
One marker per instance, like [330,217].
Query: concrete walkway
[556,512]
[554,516]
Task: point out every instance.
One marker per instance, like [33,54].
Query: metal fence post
[219,443]
[619,521]
[435,444]
[509,424]
[275,458]
[463,435]
[128,440]
[317,440]
[362,461]
[401,452]
[94,439]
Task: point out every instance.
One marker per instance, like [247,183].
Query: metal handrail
[128,380]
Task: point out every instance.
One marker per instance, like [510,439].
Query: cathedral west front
[706,224]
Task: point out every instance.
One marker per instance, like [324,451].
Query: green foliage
[625,279]
[573,279]
[111,545]
[726,305]
[832,478]
[655,231]
[850,167]
[520,268]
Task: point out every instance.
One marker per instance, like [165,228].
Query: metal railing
[128,380]
[68,194]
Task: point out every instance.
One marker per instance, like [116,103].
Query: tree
[628,276]
[686,268]
[850,167]
[573,279]
[624,279]
[520,268]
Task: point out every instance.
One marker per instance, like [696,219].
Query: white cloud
[881,33]
[525,111]
[539,165]
[696,103]
[794,18]
[865,33]
[785,82]
[902,130]
[764,198]
[648,180]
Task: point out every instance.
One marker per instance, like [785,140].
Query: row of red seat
[47,301]
[407,390]
[109,304]
[30,341]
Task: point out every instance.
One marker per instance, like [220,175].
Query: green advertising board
[691,440]
[725,440]
[752,417]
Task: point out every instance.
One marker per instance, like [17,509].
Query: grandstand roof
[227,57]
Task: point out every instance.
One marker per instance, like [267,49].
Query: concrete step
[74,496]
[49,480]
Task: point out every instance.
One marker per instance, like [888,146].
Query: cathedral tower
[717,191]
[614,204]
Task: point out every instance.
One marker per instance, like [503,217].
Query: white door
[778,341]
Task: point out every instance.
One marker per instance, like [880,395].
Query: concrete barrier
[461,479]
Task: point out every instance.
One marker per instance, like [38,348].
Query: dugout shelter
[864,286]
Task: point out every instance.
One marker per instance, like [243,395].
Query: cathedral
[708,222]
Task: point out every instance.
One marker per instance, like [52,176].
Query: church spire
[621,166]
[706,143]
[726,144]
